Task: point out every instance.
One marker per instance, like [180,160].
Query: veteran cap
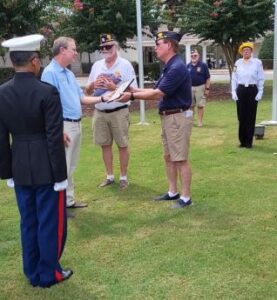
[168,35]
[24,43]
[194,51]
[106,38]
[246,45]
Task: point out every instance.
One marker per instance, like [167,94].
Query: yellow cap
[246,45]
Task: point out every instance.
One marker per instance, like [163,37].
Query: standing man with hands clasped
[111,120]
[33,161]
[173,89]
[247,91]
[57,74]
[200,80]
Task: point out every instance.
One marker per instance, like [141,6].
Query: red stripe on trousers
[58,276]
[60,222]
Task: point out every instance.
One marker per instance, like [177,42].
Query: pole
[140,59]
[274,83]
[274,92]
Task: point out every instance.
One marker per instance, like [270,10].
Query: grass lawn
[126,246]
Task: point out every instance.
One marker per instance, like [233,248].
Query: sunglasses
[107,47]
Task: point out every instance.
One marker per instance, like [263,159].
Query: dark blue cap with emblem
[106,38]
[168,35]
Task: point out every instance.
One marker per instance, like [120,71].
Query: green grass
[126,246]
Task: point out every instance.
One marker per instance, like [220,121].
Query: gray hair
[61,42]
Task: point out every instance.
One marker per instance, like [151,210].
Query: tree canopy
[90,18]
[228,22]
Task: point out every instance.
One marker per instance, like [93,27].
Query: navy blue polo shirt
[175,83]
[198,73]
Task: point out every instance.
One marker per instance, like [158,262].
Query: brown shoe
[106,182]
[123,184]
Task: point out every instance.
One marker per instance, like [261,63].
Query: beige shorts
[176,131]
[111,126]
[198,96]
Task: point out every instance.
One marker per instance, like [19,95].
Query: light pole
[140,60]
[274,100]
[274,83]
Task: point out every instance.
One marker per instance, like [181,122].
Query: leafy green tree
[266,51]
[22,17]
[90,18]
[227,22]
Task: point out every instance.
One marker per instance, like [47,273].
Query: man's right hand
[66,139]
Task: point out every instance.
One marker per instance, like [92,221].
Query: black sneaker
[181,204]
[166,197]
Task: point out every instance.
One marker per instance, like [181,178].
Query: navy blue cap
[106,38]
[168,35]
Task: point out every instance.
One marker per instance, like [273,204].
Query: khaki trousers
[72,152]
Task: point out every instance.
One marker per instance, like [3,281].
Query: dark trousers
[246,111]
[43,232]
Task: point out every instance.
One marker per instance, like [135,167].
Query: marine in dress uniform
[247,91]
[173,89]
[32,160]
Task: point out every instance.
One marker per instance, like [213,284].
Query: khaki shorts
[176,131]
[198,96]
[111,126]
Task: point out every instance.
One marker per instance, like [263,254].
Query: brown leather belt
[171,111]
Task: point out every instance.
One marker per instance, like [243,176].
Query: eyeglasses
[107,47]
[194,56]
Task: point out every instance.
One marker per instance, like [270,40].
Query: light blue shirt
[70,92]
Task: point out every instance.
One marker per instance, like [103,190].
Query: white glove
[258,96]
[10,183]
[60,186]
[234,96]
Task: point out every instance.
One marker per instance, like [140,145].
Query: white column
[188,50]
[204,53]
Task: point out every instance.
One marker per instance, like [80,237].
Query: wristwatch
[132,98]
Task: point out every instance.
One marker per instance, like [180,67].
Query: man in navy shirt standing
[200,80]
[173,89]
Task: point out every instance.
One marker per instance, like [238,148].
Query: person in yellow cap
[247,90]
[34,163]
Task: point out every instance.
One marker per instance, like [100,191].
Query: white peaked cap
[25,43]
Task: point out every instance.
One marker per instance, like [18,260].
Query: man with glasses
[57,74]
[32,159]
[200,80]
[173,89]
[111,120]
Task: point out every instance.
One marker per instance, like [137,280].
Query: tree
[227,22]
[266,51]
[90,18]
[22,17]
